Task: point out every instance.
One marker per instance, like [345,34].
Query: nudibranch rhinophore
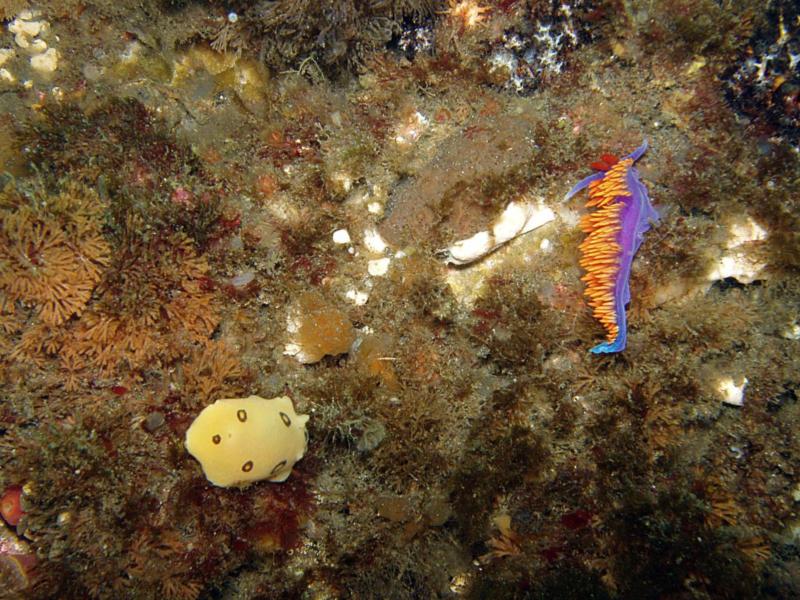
[615,232]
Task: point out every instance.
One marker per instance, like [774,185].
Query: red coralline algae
[10,505]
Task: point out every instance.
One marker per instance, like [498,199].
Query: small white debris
[242,280]
[292,349]
[411,130]
[343,181]
[374,242]
[341,236]
[792,331]
[738,265]
[747,231]
[37,46]
[730,392]
[378,267]
[45,63]
[29,14]
[517,219]
[375,208]
[5,75]
[546,245]
[358,298]
[232,17]
[24,30]
[5,54]
[131,52]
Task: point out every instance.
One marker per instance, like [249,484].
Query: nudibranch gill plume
[614,233]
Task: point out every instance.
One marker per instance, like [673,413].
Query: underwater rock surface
[190,190]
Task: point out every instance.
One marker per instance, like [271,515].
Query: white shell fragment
[517,219]
[241,440]
[730,392]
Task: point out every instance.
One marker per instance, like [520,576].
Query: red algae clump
[11,505]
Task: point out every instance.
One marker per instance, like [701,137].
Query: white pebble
[27,29]
[358,298]
[378,267]
[730,392]
[341,236]
[374,242]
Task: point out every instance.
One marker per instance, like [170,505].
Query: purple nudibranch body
[615,232]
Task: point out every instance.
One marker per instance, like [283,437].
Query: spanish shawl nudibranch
[615,232]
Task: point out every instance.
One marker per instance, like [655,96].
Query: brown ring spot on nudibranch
[248,466]
[277,467]
[216,439]
[285,418]
[241,414]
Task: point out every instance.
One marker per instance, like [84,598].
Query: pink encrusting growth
[614,233]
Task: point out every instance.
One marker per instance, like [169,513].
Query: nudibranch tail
[614,233]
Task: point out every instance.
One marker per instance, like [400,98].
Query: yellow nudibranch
[241,440]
